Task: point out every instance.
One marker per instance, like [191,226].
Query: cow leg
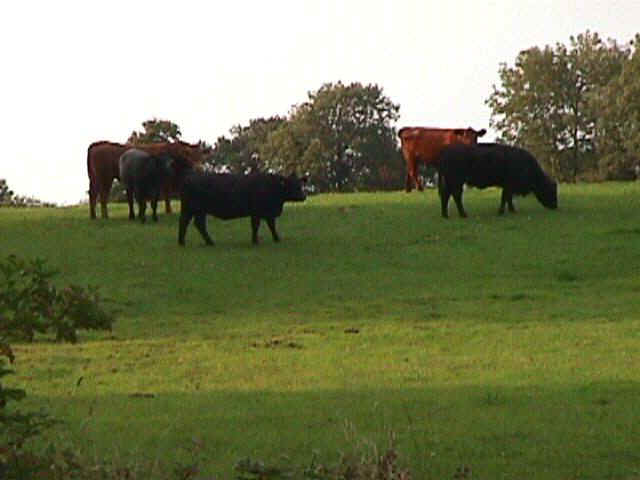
[255,224]
[444,193]
[167,199]
[201,225]
[415,177]
[185,219]
[105,191]
[142,209]
[444,203]
[154,207]
[93,198]
[132,214]
[408,186]
[457,196]
[512,209]
[506,199]
[272,226]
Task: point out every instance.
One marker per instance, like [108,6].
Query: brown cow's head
[194,153]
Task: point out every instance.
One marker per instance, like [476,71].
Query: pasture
[508,344]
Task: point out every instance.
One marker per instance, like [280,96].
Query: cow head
[469,136]
[194,153]
[547,192]
[293,188]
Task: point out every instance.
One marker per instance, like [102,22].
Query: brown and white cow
[423,145]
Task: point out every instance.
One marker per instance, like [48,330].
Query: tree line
[575,106]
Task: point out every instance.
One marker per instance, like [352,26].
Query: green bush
[30,303]
[16,427]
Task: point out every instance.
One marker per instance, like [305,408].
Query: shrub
[30,304]
[16,427]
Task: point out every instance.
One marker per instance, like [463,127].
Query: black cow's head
[468,136]
[547,193]
[293,188]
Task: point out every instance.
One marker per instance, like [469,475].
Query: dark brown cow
[228,196]
[490,164]
[423,145]
[102,167]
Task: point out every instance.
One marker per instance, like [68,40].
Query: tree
[6,195]
[618,122]
[544,100]
[343,136]
[156,130]
[241,153]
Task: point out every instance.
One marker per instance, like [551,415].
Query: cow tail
[89,161]
[93,187]
[441,182]
[90,172]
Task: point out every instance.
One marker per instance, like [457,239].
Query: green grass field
[510,344]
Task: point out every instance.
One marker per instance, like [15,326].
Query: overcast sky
[76,72]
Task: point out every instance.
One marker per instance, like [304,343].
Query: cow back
[423,144]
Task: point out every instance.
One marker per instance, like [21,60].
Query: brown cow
[423,145]
[102,167]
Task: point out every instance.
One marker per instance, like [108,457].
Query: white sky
[75,72]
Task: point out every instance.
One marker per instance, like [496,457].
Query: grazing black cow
[491,164]
[228,196]
[144,177]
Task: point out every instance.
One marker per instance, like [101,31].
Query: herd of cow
[162,169]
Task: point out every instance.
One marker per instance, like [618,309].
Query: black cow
[228,196]
[491,164]
[144,177]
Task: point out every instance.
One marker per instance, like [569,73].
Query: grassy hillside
[505,343]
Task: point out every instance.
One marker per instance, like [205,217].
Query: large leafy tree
[544,100]
[241,152]
[343,136]
[618,122]
[154,131]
